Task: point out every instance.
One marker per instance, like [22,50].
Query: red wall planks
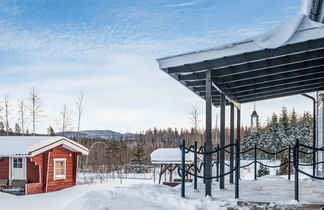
[60,152]
[32,172]
[4,168]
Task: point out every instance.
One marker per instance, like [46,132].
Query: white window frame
[20,163]
[58,177]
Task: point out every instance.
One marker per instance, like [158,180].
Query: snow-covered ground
[110,193]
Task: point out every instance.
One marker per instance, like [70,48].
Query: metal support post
[217,163]
[222,140]
[183,165]
[232,142]
[237,165]
[237,155]
[314,131]
[208,163]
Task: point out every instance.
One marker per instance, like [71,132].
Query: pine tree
[284,118]
[114,152]
[273,133]
[139,154]
[50,131]
[293,119]
[2,127]
[17,128]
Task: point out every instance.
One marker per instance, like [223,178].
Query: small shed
[39,163]
[169,159]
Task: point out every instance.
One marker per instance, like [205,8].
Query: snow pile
[145,197]
[282,33]
[306,7]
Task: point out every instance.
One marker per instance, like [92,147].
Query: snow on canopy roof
[295,30]
[170,156]
[34,145]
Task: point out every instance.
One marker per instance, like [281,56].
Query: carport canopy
[246,72]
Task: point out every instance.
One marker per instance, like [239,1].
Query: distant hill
[102,134]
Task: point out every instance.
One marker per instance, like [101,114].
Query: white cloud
[184,4]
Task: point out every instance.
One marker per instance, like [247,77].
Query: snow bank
[144,194]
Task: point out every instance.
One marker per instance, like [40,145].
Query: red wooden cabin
[41,163]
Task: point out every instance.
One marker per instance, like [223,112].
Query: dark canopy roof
[246,72]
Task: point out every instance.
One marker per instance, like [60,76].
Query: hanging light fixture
[254,120]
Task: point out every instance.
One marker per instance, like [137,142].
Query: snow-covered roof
[34,145]
[170,156]
[297,29]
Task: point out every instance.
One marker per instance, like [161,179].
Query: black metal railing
[184,172]
[194,169]
[298,148]
[255,160]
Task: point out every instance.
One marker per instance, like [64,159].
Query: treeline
[109,155]
[281,131]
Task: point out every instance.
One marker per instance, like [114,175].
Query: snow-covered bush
[263,171]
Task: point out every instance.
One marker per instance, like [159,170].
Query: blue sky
[107,49]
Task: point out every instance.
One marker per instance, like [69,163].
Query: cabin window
[59,168]
[17,162]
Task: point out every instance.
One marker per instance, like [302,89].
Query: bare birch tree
[1,116]
[65,122]
[194,118]
[36,109]
[80,111]
[22,116]
[7,112]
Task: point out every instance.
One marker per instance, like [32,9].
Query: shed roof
[170,156]
[34,145]
[286,61]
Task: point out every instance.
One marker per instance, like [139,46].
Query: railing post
[237,173]
[296,162]
[289,162]
[183,165]
[217,163]
[196,166]
[255,162]
[204,150]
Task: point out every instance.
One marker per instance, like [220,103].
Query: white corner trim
[10,168]
[48,161]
